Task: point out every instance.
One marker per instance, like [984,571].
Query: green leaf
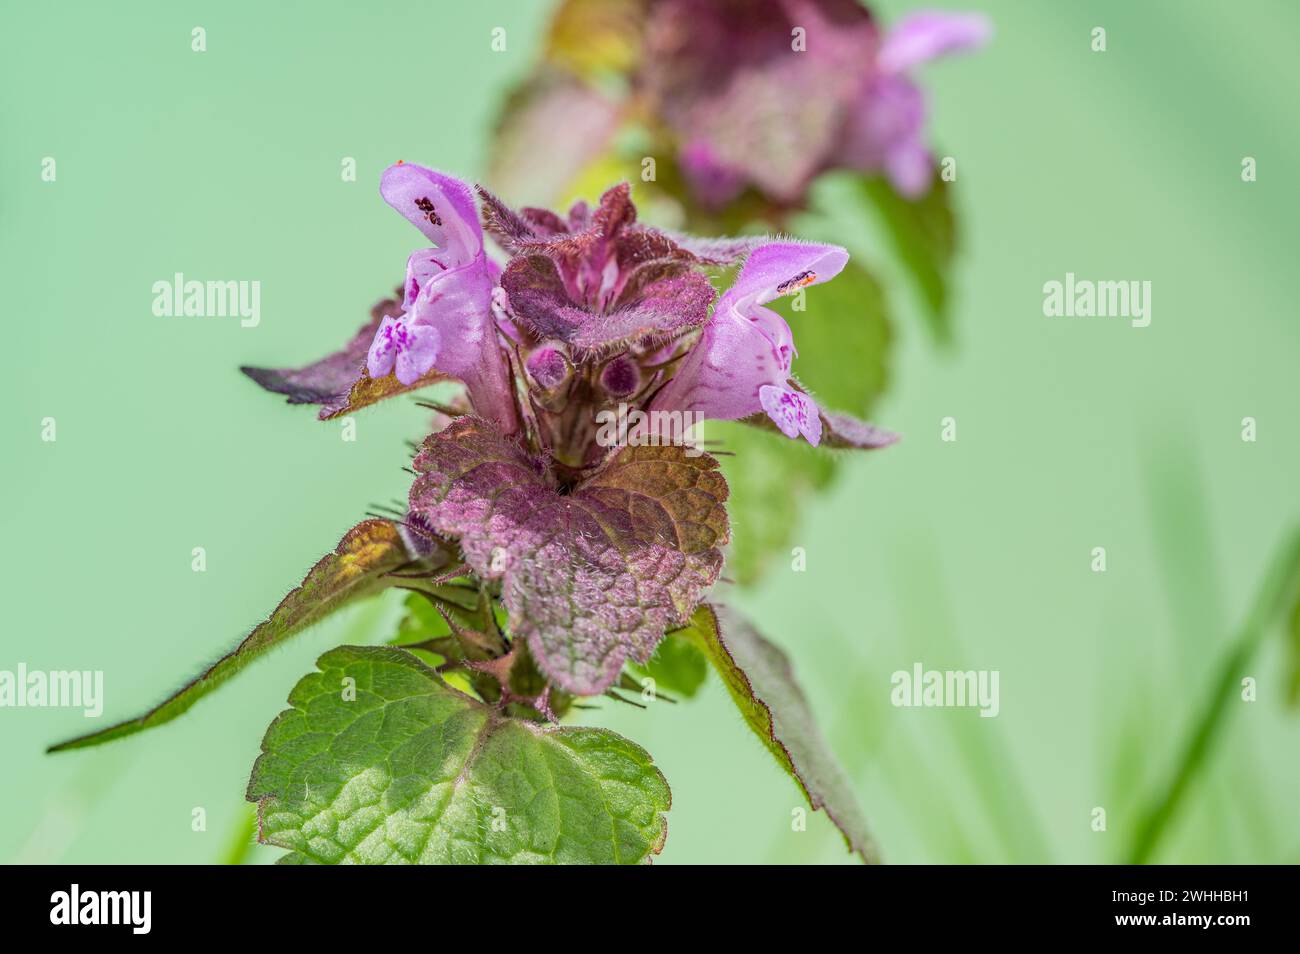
[924,234]
[761,682]
[357,568]
[379,761]
[422,622]
[677,667]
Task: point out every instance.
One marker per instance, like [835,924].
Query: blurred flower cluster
[734,95]
[750,118]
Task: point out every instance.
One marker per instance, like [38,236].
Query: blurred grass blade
[1293,651]
[1280,587]
[243,839]
[991,769]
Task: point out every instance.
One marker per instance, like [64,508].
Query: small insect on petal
[799,281]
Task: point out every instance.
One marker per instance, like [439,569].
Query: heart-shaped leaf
[591,577]
[380,762]
[761,682]
[357,568]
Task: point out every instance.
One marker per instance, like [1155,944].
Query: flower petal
[422,269]
[928,34]
[840,431]
[458,304]
[890,111]
[793,413]
[419,353]
[745,346]
[756,91]
[910,168]
[440,206]
[383,349]
[340,382]
[781,268]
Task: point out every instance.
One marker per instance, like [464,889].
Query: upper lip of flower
[447,322]
[440,206]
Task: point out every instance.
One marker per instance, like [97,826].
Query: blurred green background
[1072,434]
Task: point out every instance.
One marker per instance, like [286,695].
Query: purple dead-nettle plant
[547,562]
[772,94]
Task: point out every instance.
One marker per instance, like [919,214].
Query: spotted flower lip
[404,348]
[742,363]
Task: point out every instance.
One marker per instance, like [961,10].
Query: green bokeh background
[975,554]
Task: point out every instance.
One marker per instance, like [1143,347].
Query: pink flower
[771,94]
[592,310]
[885,131]
[741,364]
[447,324]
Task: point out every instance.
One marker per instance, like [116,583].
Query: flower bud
[621,377]
[549,366]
